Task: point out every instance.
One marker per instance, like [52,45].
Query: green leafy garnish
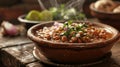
[68,23]
[61,13]
[56,13]
[68,27]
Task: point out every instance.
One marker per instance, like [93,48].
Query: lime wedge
[46,15]
[33,15]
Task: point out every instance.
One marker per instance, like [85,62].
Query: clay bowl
[72,53]
[109,18]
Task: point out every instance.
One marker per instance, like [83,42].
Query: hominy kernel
[64,38]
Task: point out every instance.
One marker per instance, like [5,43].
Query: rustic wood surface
[17,52]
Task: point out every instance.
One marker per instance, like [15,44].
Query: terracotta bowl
[109,18]
[72,52]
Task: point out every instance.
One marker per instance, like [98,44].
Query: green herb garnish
[68,27]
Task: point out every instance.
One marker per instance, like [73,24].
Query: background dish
[109,18]
[29,23]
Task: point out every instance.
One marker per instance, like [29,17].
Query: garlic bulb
[9,29]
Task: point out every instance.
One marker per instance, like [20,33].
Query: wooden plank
[108,63]
[116,53]
[8,60]
[23,53]
[35,64]
[11,41]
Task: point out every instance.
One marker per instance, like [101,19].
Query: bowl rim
[21,19]
[73,45]
[103,12]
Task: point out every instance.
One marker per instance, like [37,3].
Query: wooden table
[17,52]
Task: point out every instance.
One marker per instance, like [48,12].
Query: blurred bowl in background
[29,23]
[109,18]
[86,8]
[22,19]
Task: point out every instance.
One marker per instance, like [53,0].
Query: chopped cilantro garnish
[68,27]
